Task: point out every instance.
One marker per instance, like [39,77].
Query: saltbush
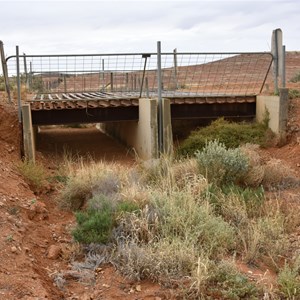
[232,135]
[220,165]
[95,224]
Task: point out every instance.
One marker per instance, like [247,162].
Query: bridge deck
[120,99]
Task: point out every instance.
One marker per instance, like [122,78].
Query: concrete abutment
[140,135]
[277,108]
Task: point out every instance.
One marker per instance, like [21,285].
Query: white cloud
[136,26]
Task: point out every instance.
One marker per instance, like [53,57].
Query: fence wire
[135,75]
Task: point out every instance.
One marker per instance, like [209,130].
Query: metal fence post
[30,76]
[65,84]
[283,79]
[159,97]
[25,70]
[5,71]
[112,81]
[175,68]
[103,79]
[18,84]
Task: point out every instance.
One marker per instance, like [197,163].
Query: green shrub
[232,135]
[95,224]
[220,165]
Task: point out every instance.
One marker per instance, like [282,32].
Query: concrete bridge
[136,97]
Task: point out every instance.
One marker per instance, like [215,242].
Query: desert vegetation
[189,223]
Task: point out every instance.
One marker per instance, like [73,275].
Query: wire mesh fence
[135,75]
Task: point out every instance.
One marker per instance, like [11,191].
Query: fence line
[185,74]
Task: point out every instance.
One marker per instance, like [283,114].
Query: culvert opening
[83,141]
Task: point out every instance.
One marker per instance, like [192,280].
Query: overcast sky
[42,27]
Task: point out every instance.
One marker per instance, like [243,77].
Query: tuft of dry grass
[255,173]
[34,174]
[271,174]
[277,174]
[88,179]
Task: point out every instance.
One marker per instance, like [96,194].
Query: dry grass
[185,230]
[34,174]
[277,174]
[88,179]
[273,173]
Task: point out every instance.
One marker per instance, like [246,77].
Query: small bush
[95,224]
[255,173]
[182,216]
[232,135]
[289,282]
[33,173]
[230,284]
[163,261]
[220,165]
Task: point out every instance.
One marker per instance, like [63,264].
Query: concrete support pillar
[140,135]
[167,127]
[28,133]
[277,107]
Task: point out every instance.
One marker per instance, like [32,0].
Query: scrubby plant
[34,174]
[228,283]
[221,165]
[165,261]
[230,134]
[95,224]
[289,281]
[183,216]
[181,229]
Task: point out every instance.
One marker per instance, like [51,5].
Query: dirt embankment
[36,243]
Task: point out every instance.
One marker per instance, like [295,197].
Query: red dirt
[30,224]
